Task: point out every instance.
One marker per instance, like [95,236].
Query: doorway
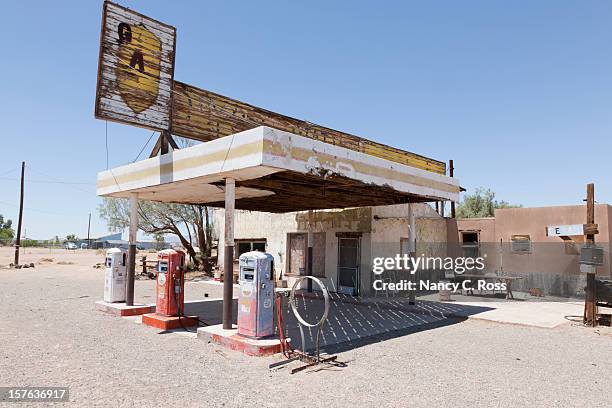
[348,265]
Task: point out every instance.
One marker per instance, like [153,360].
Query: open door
[348,265]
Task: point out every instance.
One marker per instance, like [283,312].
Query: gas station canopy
[276,171]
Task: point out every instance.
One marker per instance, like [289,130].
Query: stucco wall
[276,227]
[485,227]
[381,229]
[550,266]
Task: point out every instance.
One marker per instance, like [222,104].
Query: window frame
[520,239]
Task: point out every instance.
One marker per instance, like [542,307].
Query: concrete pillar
[310,241]
[228,253]
[131,266]
[412,248]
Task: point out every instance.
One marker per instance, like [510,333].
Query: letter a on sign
[135,69]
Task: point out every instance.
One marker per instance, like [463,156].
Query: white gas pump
[256,295]
[114,282]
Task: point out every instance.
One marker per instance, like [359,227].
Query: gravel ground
[52,336]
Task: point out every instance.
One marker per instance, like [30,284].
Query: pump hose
[286,347]
[180,315]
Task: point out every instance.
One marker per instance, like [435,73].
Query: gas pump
[256,296]
[114,281]
[170,282]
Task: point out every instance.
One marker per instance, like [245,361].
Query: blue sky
[518,93]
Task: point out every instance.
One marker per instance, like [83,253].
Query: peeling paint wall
[390,228]
[276,227]
[381,229]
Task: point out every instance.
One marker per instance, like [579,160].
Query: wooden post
[18,240]
[310,243]
[228,253]
[590,303]
[131,266]
[164,147]
[88,230]
[451,172]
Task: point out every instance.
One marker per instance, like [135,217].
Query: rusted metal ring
[294,307]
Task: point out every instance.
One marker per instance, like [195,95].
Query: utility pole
[451,172]
[18,241]
[590,306]
[88,229]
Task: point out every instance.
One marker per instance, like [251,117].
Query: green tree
[191,223]
[6,229]
[481,204]
[159,241]
[72,238]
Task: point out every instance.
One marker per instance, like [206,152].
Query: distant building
[116,241]
[517,242]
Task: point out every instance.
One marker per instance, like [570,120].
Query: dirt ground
[52,336]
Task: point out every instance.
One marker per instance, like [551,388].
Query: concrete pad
[232,340]
[535,313]
[120,309]
[162,322]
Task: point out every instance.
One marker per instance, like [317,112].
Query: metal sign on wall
[564,230]
[135,69]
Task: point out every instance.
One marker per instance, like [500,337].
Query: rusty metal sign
[135,69]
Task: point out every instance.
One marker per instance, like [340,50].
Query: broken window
[470,244]
[248,245]
[521,244]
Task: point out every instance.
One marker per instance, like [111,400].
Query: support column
[412,248]
[228,253]
[310,241]
[131,266]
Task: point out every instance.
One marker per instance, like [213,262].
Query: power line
[144,147]
[42,211]
[47,181]
[59,181]
[106,139]
[9,171]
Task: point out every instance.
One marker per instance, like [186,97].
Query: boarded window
[521,244]
[570,246]
[297,254]
[318,254]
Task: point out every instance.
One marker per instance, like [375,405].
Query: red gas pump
[170,293]
[170,282]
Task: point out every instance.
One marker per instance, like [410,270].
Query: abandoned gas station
[250,158]
[255,160]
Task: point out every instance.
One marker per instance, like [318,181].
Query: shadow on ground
[352,322]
